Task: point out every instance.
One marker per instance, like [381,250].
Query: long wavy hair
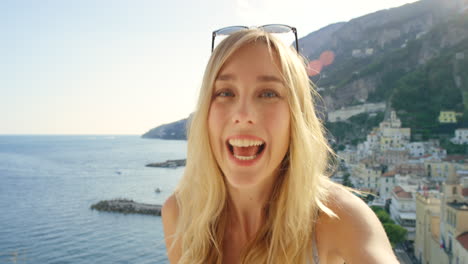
[299,193]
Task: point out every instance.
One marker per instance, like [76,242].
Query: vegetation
[347,181]
[353,130]
[453,148]
[396,234]
[418,90]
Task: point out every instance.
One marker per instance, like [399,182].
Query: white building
[386,185]
[461,136]
[346,112]
[403,210]
[416,149]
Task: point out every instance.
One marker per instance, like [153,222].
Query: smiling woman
[255,189]
[249,119]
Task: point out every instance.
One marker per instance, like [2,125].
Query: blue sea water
[48,183]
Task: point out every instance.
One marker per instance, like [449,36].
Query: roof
[459,206]
[400,193]
[463,240]
[465,192]
[389,174]
[455,158]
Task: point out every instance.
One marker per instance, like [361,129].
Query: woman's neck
[246,210]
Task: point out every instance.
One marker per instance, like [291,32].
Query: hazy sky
[124,67]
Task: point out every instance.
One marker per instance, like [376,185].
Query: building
[461,248]
[440,170]
[416,169]
[461,136]
[392,157]
[347,112]
[427,246]
[425,148]
[447,117]
[392,135]
[348,156]
[442,223]
[386,185]
[403,210]
[366,175]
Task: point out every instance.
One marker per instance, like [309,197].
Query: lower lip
[245,163]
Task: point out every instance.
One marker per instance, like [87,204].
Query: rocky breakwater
[168,164]
[127,207]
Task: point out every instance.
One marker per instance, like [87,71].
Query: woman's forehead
[252,59]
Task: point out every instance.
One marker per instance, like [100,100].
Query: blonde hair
[299,193]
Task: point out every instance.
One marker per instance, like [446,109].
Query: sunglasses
[271,28]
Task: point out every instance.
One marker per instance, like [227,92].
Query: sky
[124,67]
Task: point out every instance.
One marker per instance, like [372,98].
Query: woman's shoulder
[356,234]
[170,215]
[170,208]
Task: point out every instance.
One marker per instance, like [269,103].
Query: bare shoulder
[170,214]
[170,208]
[357,236]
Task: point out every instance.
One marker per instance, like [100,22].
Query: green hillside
[417,90]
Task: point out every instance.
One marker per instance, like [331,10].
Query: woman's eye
[225,94]
[269,94]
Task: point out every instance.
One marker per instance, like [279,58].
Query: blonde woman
[254,188]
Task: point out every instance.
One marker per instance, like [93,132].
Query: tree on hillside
[396,234]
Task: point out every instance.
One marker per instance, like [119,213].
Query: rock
[127,207]
[168,164]
[175,130]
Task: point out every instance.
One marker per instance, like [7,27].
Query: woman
[254,188]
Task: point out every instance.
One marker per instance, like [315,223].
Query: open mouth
[245,149]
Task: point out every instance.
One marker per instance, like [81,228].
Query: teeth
[245,157]
[245,142]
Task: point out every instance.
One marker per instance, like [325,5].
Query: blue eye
[269,94]
[225,94]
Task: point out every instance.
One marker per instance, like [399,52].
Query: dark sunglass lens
[229,30]
[276,28]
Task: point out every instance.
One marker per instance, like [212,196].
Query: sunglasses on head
[271,28]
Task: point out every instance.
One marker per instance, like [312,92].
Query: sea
[48,184]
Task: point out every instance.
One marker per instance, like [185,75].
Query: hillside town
[424,189]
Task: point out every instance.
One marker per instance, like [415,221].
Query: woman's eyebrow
[269,78]
[226,77]
[260,78]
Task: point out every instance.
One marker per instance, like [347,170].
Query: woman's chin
[242,181]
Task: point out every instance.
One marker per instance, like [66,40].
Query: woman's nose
[244,112]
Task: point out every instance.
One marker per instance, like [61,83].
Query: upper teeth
[245,142]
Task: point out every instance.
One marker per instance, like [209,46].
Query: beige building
[391,157]
[392,135]
[416,169]
[447,117]
[449,165]
[367,174]
[427,240]
[442,224]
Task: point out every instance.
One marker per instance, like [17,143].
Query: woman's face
[249,119]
